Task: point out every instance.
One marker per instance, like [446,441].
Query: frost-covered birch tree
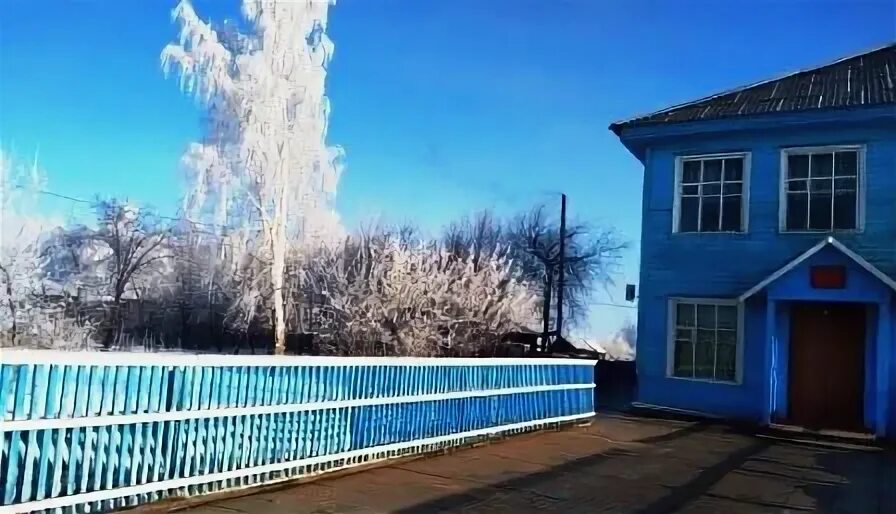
[20,230]
[263,164]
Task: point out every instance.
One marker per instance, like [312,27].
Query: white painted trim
[52,357]
[745,191]
[178,483]
[671,326]
[671,315]
[781,272]
[745,207]
[782,194]
[151,417]
[883,277]
[705,300]
[861,192]
[676,193]
[867,266]
[808,150]
[741,343]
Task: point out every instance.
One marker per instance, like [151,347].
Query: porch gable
[863,281]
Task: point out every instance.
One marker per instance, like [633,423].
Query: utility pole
[561,271]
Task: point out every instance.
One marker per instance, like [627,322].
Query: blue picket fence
[89,432]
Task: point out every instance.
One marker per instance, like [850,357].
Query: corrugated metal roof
[866,79]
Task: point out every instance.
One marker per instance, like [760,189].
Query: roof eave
[616,128]
[636,147]
[878,113]
[644,119]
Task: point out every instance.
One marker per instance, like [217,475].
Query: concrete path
[618,464]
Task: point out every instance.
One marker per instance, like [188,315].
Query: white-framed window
[712,193]
[822,189]
[705,339]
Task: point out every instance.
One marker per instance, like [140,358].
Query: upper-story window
[821,189]
[710,193]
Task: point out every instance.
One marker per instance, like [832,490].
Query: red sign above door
[828,277]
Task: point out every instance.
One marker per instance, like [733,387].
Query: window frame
[809,150]
[672,323]
[745,191]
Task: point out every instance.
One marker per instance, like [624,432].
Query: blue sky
[443,107]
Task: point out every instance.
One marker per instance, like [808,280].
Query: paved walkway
[618,464]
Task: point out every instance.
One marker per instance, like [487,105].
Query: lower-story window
[704,339]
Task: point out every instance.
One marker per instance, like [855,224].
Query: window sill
[784,232]
[706,380]
[710,235]
[715,232]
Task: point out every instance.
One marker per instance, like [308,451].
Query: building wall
[743,400]
[727,265]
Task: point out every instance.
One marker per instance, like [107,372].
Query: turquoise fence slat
[88,432]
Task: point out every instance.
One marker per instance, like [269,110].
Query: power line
[621,306]
[81,200]
[57,195]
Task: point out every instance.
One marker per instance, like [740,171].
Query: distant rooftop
[866,79]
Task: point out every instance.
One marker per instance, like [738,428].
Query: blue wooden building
[768,255]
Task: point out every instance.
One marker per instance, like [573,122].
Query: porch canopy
[826,245]
[856,281]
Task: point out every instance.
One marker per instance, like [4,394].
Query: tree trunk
[213,321]
[277,267]
[185,336]
[278,247]
[113,335]
[12,306]
[546,308]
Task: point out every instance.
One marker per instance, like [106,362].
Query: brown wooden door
[827,365]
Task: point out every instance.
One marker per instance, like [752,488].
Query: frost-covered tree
[417,298]
[20,230]
[263,164]
[531,241]
[481,235]
[34,309]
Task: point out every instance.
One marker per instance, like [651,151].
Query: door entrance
[827,365]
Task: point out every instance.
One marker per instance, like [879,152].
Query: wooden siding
[727,265]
